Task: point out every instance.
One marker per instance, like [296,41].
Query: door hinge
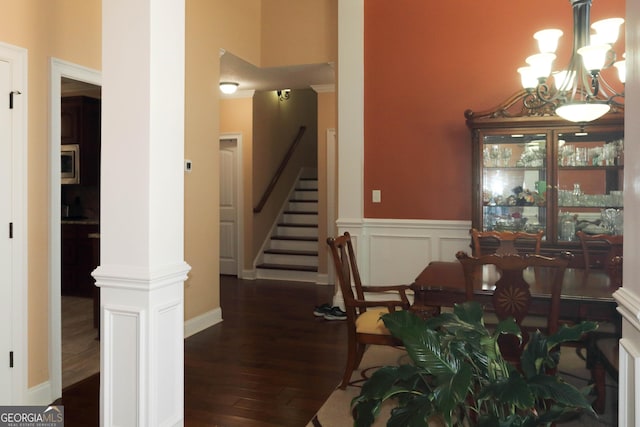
[11,230]
[11,359]
[13,92]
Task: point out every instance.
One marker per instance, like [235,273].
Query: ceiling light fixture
[228,87]
[579,93]
[283,94]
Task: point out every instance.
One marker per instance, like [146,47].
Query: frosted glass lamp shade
[541,64]
[608,29]
[622,70]
[548,40]
[228,87]
[527,77]
[582,111]
[594,56]
[564,80]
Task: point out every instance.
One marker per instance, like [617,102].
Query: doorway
[77,79]
[231,205]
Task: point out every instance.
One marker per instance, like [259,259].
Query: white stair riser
[303,206]
[291,259]
[294,245]
[300,219]
[297,231]
[308,184]
[305,195]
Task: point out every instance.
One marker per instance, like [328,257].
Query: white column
[350,113]
[142,269]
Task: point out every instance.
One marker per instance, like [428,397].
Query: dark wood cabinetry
[80,124]
[78,259]
[535,171]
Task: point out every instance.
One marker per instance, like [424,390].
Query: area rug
[336,411]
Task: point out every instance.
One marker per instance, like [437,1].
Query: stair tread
[306,189]
[293,224]
[300,212]
[288,267]
[299,238]
[302,201]
[290,252]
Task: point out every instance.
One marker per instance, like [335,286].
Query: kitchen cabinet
[535,171]
[78,259]
[80,124]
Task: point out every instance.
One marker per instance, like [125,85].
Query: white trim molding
[17,58]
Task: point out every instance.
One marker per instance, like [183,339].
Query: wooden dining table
[586,295]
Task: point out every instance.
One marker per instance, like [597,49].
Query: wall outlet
[376,196]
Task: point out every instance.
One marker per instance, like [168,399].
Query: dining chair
[506,241]
[613,242]
[363,315]
[511,294]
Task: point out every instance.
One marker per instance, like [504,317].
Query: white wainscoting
[395,251]
[629,358]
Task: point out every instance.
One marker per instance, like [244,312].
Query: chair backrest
[589,241]
[512,296]
[344,260]
[506,240]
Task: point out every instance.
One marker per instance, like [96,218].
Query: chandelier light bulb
[528,77]
[541,64]
[594,56]
[622,70]
[608,29]
[564,80]
[548,40]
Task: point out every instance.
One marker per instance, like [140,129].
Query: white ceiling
[250,77]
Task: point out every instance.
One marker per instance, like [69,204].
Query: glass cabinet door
[589,184]
[514,182]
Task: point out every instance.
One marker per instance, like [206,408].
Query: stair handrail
[280,170]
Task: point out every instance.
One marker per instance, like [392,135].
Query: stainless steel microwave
[70,164]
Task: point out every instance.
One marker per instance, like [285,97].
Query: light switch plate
[376,196]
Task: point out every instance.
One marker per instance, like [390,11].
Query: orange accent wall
[426,62]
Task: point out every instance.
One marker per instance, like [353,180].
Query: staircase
[292,250]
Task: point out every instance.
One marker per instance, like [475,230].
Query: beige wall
[210,26]
[236,116]
[299,32]
[68,30]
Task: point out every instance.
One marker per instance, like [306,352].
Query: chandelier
[579,93]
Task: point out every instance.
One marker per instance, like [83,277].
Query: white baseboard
[40,395]
[202,322]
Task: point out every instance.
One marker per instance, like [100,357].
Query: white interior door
[6,264]
[229,206]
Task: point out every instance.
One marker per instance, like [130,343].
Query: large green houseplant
[458,376]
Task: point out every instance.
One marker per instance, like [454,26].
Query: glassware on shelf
[567,227]
[581,158]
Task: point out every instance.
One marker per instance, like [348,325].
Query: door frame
[239,200]
[17,57]
[58,69]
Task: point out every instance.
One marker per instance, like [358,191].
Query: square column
[142,269]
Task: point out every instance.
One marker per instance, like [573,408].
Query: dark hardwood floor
[270,363]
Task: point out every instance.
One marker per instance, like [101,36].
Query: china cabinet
[535,171]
